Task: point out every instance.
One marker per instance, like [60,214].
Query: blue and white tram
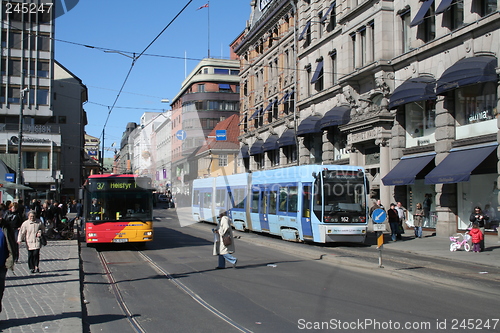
[319,203]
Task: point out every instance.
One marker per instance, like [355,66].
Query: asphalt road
[280,287]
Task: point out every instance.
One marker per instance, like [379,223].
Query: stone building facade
[407,89]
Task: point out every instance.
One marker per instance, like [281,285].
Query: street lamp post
[20,142]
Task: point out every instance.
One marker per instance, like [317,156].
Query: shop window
[420,123]
[36,160]
[290,153]
[475,110]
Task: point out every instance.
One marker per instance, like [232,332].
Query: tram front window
[342,199]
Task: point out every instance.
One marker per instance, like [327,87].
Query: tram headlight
[148,233]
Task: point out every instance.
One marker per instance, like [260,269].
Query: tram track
[136,326]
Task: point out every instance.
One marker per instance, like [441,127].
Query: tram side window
[283,199]
[196,198]
[220,198]
[207,199]
[292,199]
[239,198]
[255,202]
[273,195]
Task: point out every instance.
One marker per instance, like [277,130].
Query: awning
[459,164]
[413,90]
[301,36]
[287,138]
[255,114]
[468,71]
[406,170]
[325,16]
[419,18]
[257,148]
[13,186]
[285,98]
[309,125]
[339,115]
[271,143]
[244,151]
[443,6]
[318,72]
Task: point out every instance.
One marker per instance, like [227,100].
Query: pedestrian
[31,232]
[376,205]
[477,236]
[418,220]
[403,216]
[6,254]
[478,217]
[224,241]
[393,216]
[13,218]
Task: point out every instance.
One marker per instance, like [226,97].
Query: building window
[201,88]
[224,87]
[353,51]
[363,46]
[62,119]
[333,18]
[427,30]
[274,157]
[405,30]
[36,160]
[290,153]
[333,60]
[487,7]
[455,15]
[259,161]
[222,160]
[221,71]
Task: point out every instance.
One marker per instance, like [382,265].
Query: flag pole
[208,30]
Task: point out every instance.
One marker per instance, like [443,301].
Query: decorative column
[328,148]
[303,152]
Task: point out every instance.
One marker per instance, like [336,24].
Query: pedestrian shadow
[22,322]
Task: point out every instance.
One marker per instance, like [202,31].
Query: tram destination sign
[120,184]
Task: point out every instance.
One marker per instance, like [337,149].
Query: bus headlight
[148,233]
[92,234]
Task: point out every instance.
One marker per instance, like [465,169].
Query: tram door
[264,209]
[306,210]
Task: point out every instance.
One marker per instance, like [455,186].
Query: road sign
[220,135]
[379,215]
[181,135]
[379,227]
[9,177]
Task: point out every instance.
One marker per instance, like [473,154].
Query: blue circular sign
[181,135]
[379,215]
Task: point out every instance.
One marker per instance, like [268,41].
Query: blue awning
[271,143]
[406,170]
[318,72]
[257,148]
[443,6]
[309,125]
[286,97]
[301,36]
[224,86]
[287,138]
[419,18]
[468,71]
[413,90]
[459,164]
[339,115]
[325,16]
[244,151]
[255,114]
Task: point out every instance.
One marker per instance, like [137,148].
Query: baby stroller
[460,241]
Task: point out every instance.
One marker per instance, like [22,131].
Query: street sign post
[378,217]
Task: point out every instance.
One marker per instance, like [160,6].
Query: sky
[128,27]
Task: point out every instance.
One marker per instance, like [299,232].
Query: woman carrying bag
[31,232]
[224,242]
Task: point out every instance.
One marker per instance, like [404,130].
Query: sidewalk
[48,301]
[434,246]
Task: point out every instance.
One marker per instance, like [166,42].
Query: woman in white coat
[31,232]
[224,242]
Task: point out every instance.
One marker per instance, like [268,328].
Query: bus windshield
[116,198]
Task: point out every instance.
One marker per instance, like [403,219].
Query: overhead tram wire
[134,59]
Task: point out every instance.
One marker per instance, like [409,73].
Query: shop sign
[364,135]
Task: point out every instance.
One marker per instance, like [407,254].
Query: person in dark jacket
[393,216]
[14,220]
[6,254]
[478,217]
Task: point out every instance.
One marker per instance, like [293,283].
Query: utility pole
[20,139]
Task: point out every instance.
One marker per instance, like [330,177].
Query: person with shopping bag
[224,242]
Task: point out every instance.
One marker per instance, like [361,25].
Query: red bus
[118,209]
